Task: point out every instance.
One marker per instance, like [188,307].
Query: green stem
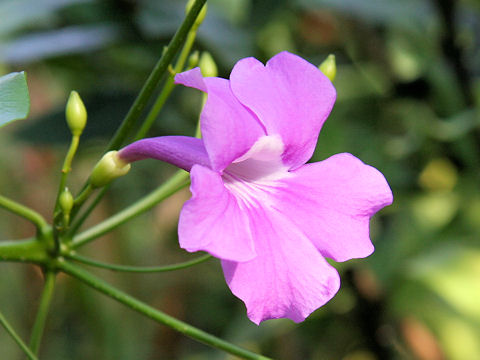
[148,88]
[42,312]
[16,338]
[152,115]
[178,181]
[83,196]
[80,199]
[155,314]
[76,225]
[24,212]
[139,269]
[168,87]
[67,167]
[58,217]
[29,250]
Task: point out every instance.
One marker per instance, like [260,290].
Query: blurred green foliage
[408,93]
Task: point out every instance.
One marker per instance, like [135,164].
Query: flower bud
[207,65]
[201,14]
[193,59]
[328,67]
[76,114]
[66,201]
[108,169]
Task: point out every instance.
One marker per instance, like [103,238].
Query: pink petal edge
[287,279]
[228,128]
[332,201]
[290,96]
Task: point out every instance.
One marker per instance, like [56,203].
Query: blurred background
[408,86]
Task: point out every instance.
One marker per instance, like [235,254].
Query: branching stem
[139,269]
[9,329]
[42,312]
[154,314]
[178,181]
[24,212]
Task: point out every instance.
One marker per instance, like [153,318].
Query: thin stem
[83,196]
[148,88]
[168,87]
[67,167]
[58,217]
[139,269]
[9,329]
[24,212]
[80,199]
[178,181]
[76,225]
[157,107]
[155,314]
[42,312]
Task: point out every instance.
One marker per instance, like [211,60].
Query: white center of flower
[254,176]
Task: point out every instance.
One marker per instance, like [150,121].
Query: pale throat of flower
[256,174]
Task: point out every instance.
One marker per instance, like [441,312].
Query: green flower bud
[108,169]
[76,114]
[207,65]
[201,14]
[329,67]
[66,201]
[193,59]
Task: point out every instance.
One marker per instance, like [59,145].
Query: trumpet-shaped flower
[271,218]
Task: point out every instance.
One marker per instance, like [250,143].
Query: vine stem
[42,312]
[9,329]
[79,221]
[152,81]
[168,87]
[139,269]
[153,313]
[83,196]
[24,212]
[178,181]
[67,167]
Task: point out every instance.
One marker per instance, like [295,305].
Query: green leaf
[14,99]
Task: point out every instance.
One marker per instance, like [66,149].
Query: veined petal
[332,201]
[288,278]
[212,221]
[290,96]
[181,151]
[228,128]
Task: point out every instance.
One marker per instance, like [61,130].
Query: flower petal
[228,128]
[192,78]
[290,96]
[181,151]
[212,221]
[332,201]
[288,278]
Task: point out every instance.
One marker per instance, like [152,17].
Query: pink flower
[271,218]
